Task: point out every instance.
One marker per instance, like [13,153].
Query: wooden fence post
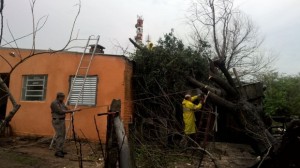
[117,146]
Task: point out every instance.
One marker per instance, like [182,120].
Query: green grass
[25,160]
[18,158]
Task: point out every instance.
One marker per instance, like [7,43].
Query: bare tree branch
[32,4]
[27,35]
[6,61]
[231,33]
[36,28]
[1,14]
[14,40]
[120,49]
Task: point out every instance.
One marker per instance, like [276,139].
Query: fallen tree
[247,115]
[235,44]
[158,72]
[227,92]
[276,153]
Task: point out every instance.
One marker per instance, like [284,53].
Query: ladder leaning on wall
[81,74]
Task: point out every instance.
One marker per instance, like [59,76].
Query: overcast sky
[114,20]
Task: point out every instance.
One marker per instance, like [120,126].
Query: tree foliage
[282,96]
[160,79]
[168,62]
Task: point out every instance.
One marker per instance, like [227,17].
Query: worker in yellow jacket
[188,113]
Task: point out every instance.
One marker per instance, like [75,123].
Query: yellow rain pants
[188,115]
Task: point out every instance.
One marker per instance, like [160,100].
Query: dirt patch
[12,159]
[35,153]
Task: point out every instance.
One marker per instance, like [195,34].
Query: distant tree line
[282,95]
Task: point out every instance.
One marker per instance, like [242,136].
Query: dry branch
[231,33]
[16,106]
[212,94]
[1,24]
[135,44]
[204,87]
[215,161]
[36,28]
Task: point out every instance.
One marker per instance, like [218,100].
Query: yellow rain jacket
[188,115]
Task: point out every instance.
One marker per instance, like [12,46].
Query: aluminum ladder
[81,72]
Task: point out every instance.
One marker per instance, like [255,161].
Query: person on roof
[188,113]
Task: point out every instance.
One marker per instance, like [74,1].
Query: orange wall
[34,118]
[128,104]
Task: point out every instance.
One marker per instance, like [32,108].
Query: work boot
[59,154]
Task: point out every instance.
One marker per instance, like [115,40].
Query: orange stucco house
[36,81]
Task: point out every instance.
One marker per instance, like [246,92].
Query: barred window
[89,91]
[34,87]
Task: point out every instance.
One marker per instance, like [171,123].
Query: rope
[137,100]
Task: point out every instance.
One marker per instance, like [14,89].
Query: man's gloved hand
[202,101]
[201,98]
[76,110]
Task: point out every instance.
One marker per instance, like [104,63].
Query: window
[89,91]
[34,87]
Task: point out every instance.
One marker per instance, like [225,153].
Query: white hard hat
[187,96]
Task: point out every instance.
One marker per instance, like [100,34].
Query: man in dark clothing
[58,111]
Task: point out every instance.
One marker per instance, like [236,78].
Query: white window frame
[33,84]
[89,93]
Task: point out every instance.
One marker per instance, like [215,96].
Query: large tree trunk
[16,106]
[247,114]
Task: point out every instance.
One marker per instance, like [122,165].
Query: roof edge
[65,51]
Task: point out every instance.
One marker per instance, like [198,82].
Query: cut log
[203,87]
[135,44]
[222,102]
[247,115]
[231,91]
[220,63]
